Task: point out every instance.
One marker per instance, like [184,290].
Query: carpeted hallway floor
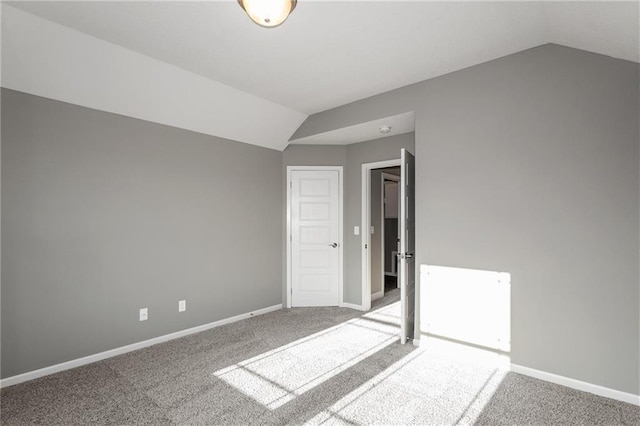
[304,365]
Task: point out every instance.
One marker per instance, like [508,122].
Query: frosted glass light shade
[268,13]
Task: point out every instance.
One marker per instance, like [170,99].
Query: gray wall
[103,215]
[537,175]
[529,164]
[314,155]
[351,157]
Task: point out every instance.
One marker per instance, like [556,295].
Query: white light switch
[182,305]
[356,230]
[144,314]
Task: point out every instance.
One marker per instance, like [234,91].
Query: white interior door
[315,237]
[407,246]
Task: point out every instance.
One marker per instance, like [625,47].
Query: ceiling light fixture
[385,129]
[268,13]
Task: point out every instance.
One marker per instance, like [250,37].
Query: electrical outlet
[182,305]
[144,314]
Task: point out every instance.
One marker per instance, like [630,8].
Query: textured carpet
[304,365]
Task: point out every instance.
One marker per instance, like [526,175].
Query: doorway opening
[384,204]
[372,251]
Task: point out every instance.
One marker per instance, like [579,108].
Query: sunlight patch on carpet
[440,383]
[276,377]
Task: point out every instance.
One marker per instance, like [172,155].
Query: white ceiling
[330,53]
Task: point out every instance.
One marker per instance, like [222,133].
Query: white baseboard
[351,306]
[377,295]
[14,380]
[577,384]
[416,342]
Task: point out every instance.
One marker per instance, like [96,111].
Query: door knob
[334,245]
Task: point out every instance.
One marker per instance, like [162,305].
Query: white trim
[20,378]
[378,295]
[416,342]
[339,169]
[366,221]
[577,384]
[351,306]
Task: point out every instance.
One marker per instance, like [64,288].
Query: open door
[406,256]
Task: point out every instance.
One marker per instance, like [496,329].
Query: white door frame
[339,169]
[394,178]
[366,226]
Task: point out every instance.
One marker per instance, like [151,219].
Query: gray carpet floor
[305,366]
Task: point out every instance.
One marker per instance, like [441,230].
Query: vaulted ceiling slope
[50,60]
[327,54]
